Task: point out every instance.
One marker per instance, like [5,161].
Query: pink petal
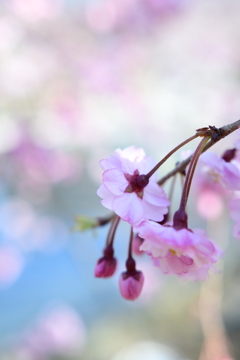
[163,264]
[132,153]
[231,176]
[152,212]
[115,181]
[106,196]
[213,160]
[129,207]
[102,192]
[145,166]
[111,162]
[155,195]
[108,202]
[177,265]
[186,260]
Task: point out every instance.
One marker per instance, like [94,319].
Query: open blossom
[125,189]
[224,171]
[186,253]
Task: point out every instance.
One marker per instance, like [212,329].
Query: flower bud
[131,284]
[229,155]
[105,267]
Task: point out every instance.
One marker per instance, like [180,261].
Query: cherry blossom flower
[223,170]
[128,193]
[189,254]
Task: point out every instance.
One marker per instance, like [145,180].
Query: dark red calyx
[180,220]
[136,183]
[229,155]
[108,251]
[130,265]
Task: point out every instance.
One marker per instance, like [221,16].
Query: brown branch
[218,134]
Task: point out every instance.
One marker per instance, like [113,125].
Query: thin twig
[219,134]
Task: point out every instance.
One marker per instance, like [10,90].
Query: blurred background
[79,78]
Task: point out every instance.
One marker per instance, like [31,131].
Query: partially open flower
[186,253]
[127,191]
[131,281]
[106,265]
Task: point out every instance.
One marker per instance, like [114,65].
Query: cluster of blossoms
[131,190]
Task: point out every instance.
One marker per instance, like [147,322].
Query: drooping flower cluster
[139,200]
[130,189]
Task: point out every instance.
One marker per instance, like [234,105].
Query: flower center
[136,183]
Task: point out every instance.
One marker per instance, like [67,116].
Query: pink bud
[105,267]
[131,284]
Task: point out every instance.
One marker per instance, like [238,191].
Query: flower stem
[191,170]
[130,244]
[151,172]
[105,220]
[112,230]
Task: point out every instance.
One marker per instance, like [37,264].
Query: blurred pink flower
[60,332]
[125,192]
[108,16]
[37,10]
[34,163]
[209,195]
[189,254]
[209,204]
[226,173]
